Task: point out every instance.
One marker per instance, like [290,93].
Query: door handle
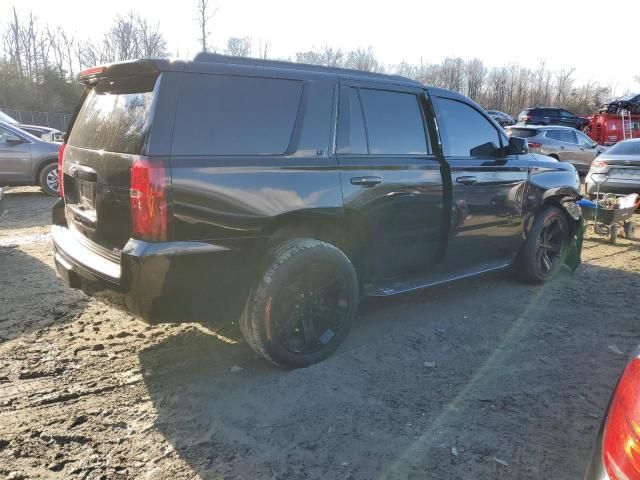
[366,182]
[466,180]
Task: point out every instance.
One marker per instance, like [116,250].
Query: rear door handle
[467,180]
[368,181]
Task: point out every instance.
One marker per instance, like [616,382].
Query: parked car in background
[562,143]
[43,133]
[27,160]
[617,170]
[630,103]
[282,191]
[552,116]
[616,454]
[504,119]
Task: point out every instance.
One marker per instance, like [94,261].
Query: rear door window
[467,132]
[116,115]
[566,136]
[394,123]
[235,115]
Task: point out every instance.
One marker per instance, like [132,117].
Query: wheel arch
[41,165]
[331,226]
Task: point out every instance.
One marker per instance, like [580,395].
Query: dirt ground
[520,380]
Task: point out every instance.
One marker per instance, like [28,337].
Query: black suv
[552,116]
[284,192]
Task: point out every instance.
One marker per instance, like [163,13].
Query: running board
[417,283]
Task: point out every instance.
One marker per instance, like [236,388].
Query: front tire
[544,250]
[304,304]
[48,179]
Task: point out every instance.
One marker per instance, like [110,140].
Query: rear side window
[394,123]
[352,136]
[234,115]
[522,132]
[116,115]
[566,136]
[467,132]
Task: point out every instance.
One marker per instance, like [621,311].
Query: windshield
[7,119]
[625,148]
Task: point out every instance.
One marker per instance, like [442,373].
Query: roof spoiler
[121,69]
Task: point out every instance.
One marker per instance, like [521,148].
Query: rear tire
[303,306]
[48,179]
[543,253]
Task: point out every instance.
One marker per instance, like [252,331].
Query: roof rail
[258,62]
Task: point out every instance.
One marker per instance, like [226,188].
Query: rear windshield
[625,148]
[522,132]
[115,115]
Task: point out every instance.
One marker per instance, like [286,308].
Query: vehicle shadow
[492,368]
[31,295]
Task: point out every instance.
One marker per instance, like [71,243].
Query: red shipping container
[606,128]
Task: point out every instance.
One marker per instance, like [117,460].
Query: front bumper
[157,282]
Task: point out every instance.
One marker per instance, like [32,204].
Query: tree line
[39,65]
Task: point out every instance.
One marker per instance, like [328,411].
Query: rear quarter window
[116,115]
[522,132]
[235,115]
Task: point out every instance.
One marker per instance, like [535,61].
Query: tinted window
[352,137]
[394,123]
[566,114]
[625,148]
[115,116]
[467,131]
[522,132]
[566,136]
[233,115]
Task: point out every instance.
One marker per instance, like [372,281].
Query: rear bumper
[613,185]
[157,282]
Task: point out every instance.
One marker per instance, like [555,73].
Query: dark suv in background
[552,116]
[284,192]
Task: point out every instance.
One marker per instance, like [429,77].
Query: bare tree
[238,47]
[263,49]
[563,85]
[365,60]
[474,76]
[204,16]
[151,42]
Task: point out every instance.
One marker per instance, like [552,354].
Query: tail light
[148,198]
[621,441]
[534,145]
[60,177]
[599,163]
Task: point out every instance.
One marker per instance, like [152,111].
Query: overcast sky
[565,33]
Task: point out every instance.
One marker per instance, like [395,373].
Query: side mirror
[594,145]
[518,146]
[13,140]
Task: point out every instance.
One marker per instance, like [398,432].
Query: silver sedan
[617,170]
